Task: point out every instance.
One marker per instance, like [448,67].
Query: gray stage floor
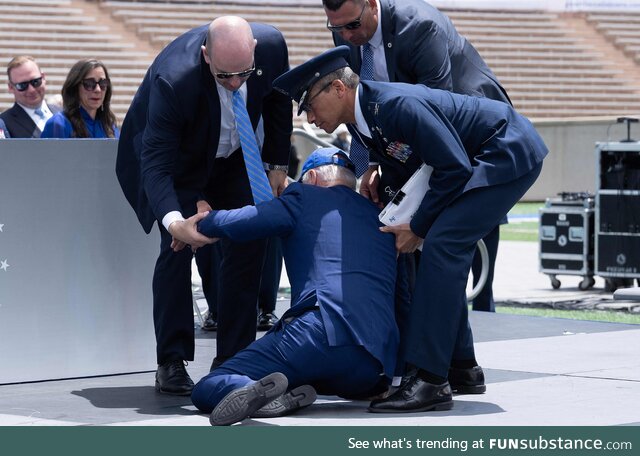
[540,371]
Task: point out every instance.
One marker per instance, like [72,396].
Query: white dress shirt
[229,140]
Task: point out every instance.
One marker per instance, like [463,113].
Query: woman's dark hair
[71,99]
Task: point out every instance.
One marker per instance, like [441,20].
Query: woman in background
[86,104]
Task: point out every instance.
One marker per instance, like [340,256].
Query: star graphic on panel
[4,265]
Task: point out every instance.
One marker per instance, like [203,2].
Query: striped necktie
[260,188]
[358,153]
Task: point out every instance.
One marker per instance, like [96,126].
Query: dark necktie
[358,153]
[260,188]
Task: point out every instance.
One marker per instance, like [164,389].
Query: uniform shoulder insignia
[374,107]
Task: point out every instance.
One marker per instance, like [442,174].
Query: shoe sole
[468,389]
[172,393]
[241,403]
[439,407]
[297,398]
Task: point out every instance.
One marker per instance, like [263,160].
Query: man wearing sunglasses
[413,42]
[27,117]
[180,150]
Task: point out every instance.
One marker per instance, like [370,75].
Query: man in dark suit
[411,41]
[26,118]
[339,336]
[484,157]
[180,147]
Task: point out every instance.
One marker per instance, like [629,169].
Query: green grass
[522,231]
[589,315]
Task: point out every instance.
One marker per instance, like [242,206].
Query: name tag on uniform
[399,151]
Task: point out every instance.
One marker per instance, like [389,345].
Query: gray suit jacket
[423,47]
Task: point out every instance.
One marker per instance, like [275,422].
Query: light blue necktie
[260,187]
[39,113]
[358,153]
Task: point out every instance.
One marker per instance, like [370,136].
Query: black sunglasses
[351,25]
[305,105]
[240,74]
[22,86]
[90,84]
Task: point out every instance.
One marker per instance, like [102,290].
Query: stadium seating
[549,69]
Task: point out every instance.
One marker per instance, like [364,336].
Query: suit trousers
[238,277]
[300,351]
[439,329]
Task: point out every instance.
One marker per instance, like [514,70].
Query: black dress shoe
[172,378]
[209,324]
[266,321]
[243,402]
[415,395]
[300,397]
[467,381]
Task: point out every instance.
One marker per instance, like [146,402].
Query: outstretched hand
[186,232]
[406,240]
[369,185]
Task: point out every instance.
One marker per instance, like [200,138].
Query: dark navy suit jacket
[170,135]
[336,258]
[423,47]
[19,124]
[470,142]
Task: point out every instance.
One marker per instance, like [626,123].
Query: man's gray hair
[333,175]
[346,75]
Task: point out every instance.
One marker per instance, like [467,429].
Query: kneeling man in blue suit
[484,157]
[339,337]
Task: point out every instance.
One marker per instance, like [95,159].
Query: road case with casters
[566,238]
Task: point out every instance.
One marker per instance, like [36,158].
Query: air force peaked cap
[297,82]
[327,156]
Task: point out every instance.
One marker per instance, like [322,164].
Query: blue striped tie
[260,187]
[358,153]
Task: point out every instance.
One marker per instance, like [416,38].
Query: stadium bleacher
[549,70]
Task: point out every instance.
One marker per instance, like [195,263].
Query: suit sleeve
[277,110]
[429,56]
[430,135]
[272,218]
[160,147]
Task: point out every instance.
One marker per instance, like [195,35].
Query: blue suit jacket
[470,142]
[423,47]
[335,256]
[170,135]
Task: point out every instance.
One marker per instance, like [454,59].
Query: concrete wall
[571,163]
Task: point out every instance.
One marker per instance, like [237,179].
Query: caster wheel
[586,283]
[555,283]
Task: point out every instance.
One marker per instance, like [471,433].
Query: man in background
[28,84]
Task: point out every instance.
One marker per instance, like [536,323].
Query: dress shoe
[172,378]
[209,324]
[300,397]
[467,381]
[243,402]
[415,395]
[266,321]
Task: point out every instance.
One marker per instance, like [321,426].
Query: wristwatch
[270,167]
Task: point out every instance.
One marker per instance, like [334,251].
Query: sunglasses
[90,84]
[241,74]
[305,105]
[22,86]
[351,25]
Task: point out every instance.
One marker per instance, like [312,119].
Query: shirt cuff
[173,216]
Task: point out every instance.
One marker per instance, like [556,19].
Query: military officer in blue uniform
[339,336]
[484,157]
